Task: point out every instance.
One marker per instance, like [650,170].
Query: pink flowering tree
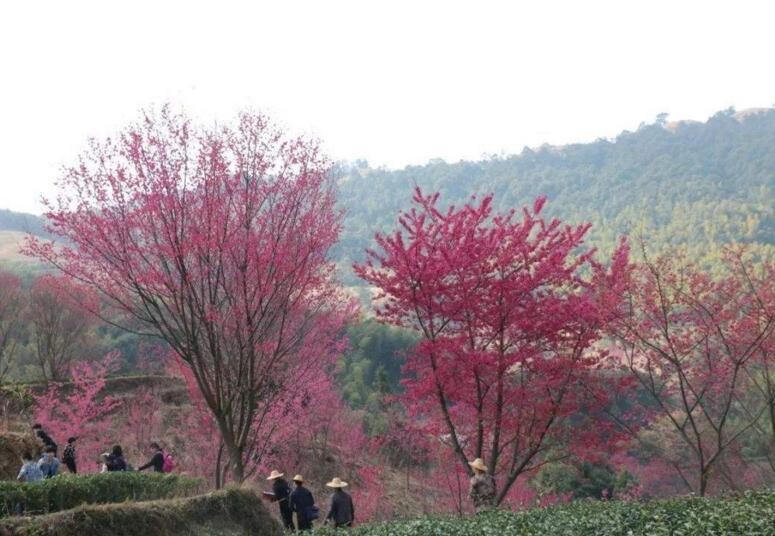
[509,307]
[81,409]
[215,240]
[699,346]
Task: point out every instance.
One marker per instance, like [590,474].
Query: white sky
[393,82]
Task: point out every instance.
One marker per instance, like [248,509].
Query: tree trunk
[218,470]
[704,474]
[237,465]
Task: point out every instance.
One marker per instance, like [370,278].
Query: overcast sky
[392,82]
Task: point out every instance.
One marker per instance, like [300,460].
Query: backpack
[169,463]
[312,513]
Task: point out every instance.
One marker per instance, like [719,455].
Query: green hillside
[684,183]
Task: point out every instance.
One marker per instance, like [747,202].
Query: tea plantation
[750,514]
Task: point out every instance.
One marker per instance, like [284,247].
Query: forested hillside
[684,183]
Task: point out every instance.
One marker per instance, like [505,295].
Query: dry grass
[12,445]
[10,243]
[233,512]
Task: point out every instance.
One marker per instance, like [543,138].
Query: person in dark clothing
[303,504]
[342,511]
[282,492]
[157,461]
[68,456]
[37,429]
[116,460]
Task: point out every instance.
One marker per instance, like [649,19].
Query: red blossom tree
[509,308]
[215,240]
[81,409]
[11,307]
[58,313]
[699,346]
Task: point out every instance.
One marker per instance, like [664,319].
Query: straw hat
[478,464]
[336,483]
[298,478]
[275,475]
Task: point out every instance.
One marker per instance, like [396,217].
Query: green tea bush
[750,514]
[68,491]
[228,512]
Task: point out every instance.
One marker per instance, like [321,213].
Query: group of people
[48,465]
[299,501]
[341,512]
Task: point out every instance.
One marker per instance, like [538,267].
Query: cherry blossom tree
[509,307]
[82,409]
[215,240]
[698,345]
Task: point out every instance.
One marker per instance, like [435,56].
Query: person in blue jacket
[49,464]
[303,503]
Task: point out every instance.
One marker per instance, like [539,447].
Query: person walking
[30,471]
[282,493]
[48,463]
[37,429]
[68,455]
[116,461]
[102,462]
[157,460]
[342,510]
[482,487]
[303,503]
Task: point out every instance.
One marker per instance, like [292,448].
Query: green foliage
[68,491]
[752,514]
[371,368]
[586,480]
[16,396]
[230,512]
[698,185]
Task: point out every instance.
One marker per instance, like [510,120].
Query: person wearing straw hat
[303,503]
[482,489]
[281,495]
[342,511]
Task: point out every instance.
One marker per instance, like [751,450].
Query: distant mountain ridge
[695,184]
[22,222]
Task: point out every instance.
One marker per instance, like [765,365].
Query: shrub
[65,491]
[223,513]
[752,514]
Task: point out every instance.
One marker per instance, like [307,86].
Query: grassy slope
[11,258]
[225,513]
[10,242]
